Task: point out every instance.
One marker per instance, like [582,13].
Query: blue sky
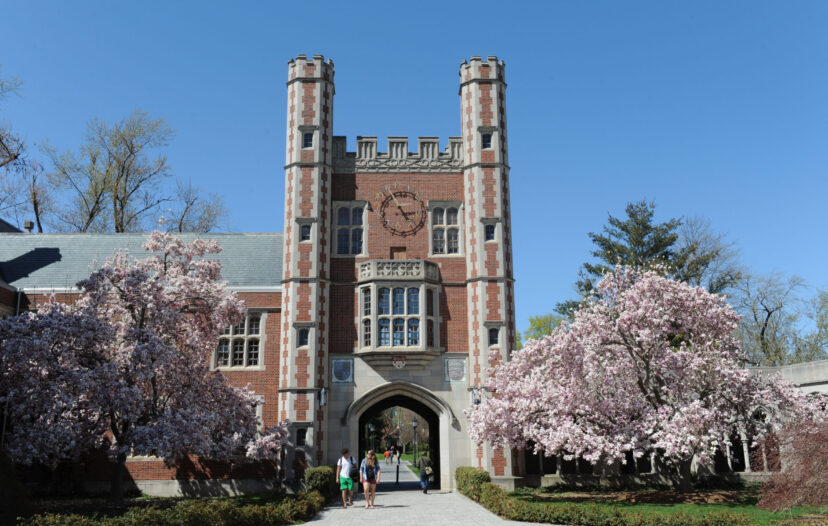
[714,109]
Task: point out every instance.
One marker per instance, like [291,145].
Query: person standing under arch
[426,468]
[369,475]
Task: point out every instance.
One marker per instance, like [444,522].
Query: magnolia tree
[651,364]
[126,366]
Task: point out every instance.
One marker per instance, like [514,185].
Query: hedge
[321,479]
[475,484]
[470,481]
[224,512]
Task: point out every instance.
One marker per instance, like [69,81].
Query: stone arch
[398,391]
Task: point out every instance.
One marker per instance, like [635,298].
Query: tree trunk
[684,481]
[116,488]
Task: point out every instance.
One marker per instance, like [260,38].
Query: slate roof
[5,226]
[58,261]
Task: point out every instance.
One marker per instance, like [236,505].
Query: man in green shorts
[344,466]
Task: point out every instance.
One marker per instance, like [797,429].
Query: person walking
[346,472]
[369,475]
[426,468]
[387,457]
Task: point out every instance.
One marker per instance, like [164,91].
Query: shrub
[476,484]
[222,512]
[803,480]
[321,479]
[470,481]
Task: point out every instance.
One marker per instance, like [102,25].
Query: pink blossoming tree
[650,364]
[126,366]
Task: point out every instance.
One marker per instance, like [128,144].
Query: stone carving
[442,164]
[409,269]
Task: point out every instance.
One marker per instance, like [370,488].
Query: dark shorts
[370,481]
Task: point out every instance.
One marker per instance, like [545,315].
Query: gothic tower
[306,261]
[488,229]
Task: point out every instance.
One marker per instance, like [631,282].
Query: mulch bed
[740,496]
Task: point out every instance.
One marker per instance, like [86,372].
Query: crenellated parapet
[477,69]
[314,68]
[428,158]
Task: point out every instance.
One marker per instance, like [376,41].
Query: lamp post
[371,430]
[414,425]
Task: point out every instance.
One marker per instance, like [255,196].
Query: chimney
[28,226]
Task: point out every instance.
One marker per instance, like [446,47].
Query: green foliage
[321,479]
[195,512]
[470,481]
[688,252]
[475,484]
[539,326]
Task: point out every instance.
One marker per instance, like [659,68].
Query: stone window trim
[432,204]
[304,131]
[302,223]
[335,206]
[490,222]
[423,317]
[247,338]
[494,327]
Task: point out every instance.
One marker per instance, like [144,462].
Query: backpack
[353,473]
[369,472]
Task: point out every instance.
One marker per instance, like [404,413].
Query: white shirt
[345,466]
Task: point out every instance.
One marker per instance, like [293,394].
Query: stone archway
[420,400]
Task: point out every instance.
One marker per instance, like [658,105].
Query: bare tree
[195,211]
[712,261]
[116,182]
[12,155]
[770,313]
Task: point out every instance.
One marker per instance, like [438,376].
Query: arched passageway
[431,419]
[433,408]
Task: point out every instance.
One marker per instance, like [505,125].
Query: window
[304,233]
[445,230]
[238,345]
[494,335]
[486,141]
[307,140]
[301,437]
[489,232]
[366,301]
[399,316]
[366,332]
[384,332]
[302,337]
[349,230]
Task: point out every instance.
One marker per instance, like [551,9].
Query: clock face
[401,210]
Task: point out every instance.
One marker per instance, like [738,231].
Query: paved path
[406,505]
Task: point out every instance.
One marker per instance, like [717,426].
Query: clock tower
[398,285]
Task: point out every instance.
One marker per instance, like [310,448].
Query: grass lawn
[700,502]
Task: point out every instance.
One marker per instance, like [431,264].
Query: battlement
[478,69]
[398,158]
[310,68]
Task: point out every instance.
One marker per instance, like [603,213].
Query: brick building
[392,284]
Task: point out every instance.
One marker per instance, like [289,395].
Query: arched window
[445,230]
[399,301]
[413,301]
[366,301]
[384,297]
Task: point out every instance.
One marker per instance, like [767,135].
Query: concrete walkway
[406,505]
